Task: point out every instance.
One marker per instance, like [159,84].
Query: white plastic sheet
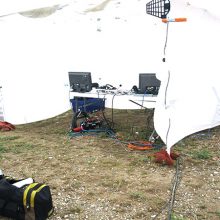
[114,43]
[189,98]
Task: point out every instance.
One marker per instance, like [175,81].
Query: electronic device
[80,81]
[148,83]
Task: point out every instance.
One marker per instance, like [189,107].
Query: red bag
[6,126]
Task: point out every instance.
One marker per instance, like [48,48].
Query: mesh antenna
[158,8]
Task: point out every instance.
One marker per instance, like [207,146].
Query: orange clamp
[165,20]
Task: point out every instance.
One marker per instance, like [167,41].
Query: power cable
[175,183]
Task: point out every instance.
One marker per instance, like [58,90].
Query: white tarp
[115,41]
[112,41]
[1,105]
[189,98]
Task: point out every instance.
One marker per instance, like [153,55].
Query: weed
[217,213]
[202,207]
[8,138]
[20,147]
[139,196]
[138,161]
[76,185]
[108,162]
[114,185]
[202,154]
[91,160]
[174,217]
[119,184]
[2,149]
[141,215]
[91,194]
[75,210]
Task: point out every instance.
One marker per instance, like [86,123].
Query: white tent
[115,41]
[110,40]
[189,99]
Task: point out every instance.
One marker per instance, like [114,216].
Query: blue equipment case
[87,104]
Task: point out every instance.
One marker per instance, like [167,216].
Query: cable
[168,130]
[175,183]
[166,89]
[113,110]
[165,103]
[165,44]
[143,97]
[106,120]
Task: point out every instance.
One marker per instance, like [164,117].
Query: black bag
[32,202]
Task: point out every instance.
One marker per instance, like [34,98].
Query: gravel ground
[99,178]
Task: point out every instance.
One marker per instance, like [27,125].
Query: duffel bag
[30,202]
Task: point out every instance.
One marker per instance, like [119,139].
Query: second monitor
[148,83]
[80,81]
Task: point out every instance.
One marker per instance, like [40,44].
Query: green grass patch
[202,154]
[175,217]
[138,160]
[217,213]
[76,184]
[19,147]
[8,138]
[139,196]
[2,149]
[108,162]
[75,210]
[113,184]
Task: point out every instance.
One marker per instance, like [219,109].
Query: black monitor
[80,81]
[148,83]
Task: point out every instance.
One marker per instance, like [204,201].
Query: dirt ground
[97,177]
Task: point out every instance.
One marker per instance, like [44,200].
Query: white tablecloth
[120,100]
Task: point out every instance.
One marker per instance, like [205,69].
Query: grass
[138,160]
[203,154]
[217,213]
[17,147]
[6,142]
[114,185]
[97,170]
[109,162]
[21,147]
[2,149]
[75,210]
[139,196]
[175,217]
[8,138]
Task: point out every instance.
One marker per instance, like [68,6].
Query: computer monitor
[80,81]
[148,83]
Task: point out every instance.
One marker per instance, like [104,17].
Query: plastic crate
[87,104]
